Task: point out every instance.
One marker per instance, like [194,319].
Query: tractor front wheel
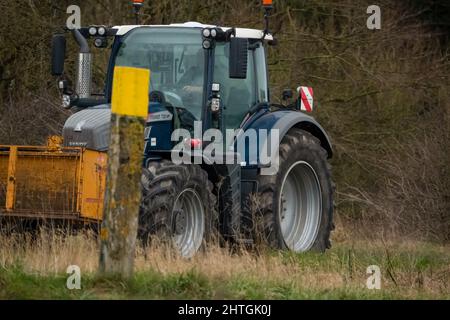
[178,205]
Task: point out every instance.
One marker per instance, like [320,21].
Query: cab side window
[261,73]
[238,95]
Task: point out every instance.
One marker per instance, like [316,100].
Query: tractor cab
[199,73]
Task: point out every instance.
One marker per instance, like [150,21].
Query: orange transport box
[52,182]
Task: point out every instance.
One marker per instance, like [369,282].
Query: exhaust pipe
[84,67]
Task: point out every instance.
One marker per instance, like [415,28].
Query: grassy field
[36,269]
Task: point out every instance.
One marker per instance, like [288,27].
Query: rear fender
[280,121]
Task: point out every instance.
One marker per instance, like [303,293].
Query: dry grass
[409,270]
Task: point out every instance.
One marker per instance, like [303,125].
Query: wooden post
[11,184]
[123,193]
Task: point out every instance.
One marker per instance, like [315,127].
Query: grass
[36,269]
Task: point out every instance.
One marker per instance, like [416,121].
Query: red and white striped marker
[306,98]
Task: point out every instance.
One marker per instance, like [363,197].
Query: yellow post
[123,193]
[11,184]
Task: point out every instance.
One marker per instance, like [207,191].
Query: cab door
[239,95]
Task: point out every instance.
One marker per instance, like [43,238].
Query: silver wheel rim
[189,223]
[300,207]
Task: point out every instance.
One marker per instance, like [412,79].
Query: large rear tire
[296,204]
[178,205]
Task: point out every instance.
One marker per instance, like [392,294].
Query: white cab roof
[240,32]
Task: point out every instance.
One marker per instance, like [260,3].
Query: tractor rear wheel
[297,203]
[178,205]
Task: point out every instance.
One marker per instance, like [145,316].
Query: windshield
[176,60]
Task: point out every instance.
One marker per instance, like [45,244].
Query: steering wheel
[157,96]
[185,118]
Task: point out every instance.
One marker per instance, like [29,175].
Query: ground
[36,269]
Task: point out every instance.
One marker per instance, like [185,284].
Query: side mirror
[238,58]
[58,54]
[287,94]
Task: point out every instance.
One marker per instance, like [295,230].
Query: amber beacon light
[137,5]
[267,3]
[268,6]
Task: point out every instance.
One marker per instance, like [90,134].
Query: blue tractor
[207,165]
